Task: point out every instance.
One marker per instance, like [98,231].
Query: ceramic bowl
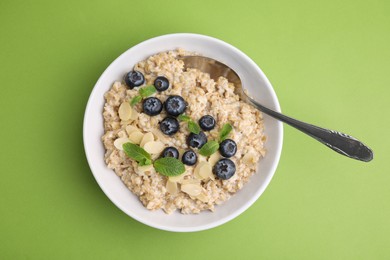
[252,78]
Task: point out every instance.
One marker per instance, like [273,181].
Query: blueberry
[207,122]
[197,140]
[228,148]
[170,152]
[134,79]
[161,83]
[175,105]
[189,157]
[152,106]
[169,125]
[224,169]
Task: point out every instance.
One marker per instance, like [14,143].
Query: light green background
[329,62]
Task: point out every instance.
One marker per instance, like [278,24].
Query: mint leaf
[145,162]
[209,148]
[135,100]
[193,127]
[184,118]
[169,166]
[137,153]
[225,131]
[147,91]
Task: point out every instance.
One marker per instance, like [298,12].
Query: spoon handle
[339,142]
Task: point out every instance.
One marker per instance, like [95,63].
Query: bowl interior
[252,78]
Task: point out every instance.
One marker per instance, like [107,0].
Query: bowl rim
[258,192]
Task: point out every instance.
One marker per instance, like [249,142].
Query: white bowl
[252,78]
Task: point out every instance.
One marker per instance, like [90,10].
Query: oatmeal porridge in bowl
[179,150]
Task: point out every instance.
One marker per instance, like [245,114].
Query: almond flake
[205,171]
[145,168]
[115,125]
[125,111]
[134,114]
[190,181]
[201,158]
[120,141]
[172,187]
[249,158]
[154,147]
[191,189]
[131,128]
[158,134]
[148,137]
[136,137]
[203,196]
[176,178]
[214,158]
[197,170]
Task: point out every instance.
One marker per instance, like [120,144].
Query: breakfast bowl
[253,79]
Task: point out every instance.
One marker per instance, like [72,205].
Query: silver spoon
[339,142]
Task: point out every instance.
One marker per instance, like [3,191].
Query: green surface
[328,61]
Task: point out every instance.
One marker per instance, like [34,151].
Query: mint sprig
[147,91]
[145,162]
[209,148]
[135,100]
[137,153]
[225,131]
[184,118]
[193,127]
[169,166]
[143,93]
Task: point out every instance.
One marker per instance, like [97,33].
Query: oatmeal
[163,130]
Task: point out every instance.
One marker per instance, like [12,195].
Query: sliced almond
[172,187]
[214,158]
[121,133]
[201,158]
[115,125]
[196,174]
[190,181]
[136,137]
[176,178]
[191,189]
[203,196]
[125,111]
[154,147]
[159,135]
[205,171]
[197,170]
[134,114]
[145,168]
[131,128]
[148,137]
[125,123]
[118,143]
[249,158]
